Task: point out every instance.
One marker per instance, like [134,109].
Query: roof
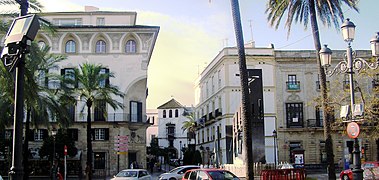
[171,105]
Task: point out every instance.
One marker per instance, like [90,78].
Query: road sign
[353,130]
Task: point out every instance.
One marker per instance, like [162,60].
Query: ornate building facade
[114,40]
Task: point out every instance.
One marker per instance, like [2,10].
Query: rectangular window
[207,134]
[319,116]
[100,134]
[104,82]
[69,76]
[100,111]
[42,79]
[292,83]
[135,111]
[73,134]
[8,134]
[67,22]
[100,21]
[294,114]
[40,134]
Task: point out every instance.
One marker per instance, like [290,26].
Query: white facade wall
[225,67]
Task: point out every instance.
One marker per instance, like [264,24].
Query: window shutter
[62,74]
[106,134]
[139,111]
[107,80]
[31,135]
[93,134]
[45,133]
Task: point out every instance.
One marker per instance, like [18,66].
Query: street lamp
[275,135]
[54,133]
[348,66]
[17,43]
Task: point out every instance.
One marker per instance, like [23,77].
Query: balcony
[112,117]
[293,85]
[218,113]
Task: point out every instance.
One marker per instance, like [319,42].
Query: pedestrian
[131,165]
[341,164]
[87,170]
[151,164]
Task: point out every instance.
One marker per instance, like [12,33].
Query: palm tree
[190,126]
[41,103]
[93,88]
[329,12]
[246,105]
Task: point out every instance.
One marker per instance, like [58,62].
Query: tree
[41,103]
[93,88]
[246,110]
[190,126]
[61,139]
[329,12]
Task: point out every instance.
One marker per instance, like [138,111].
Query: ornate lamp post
[348,66]
[275,135]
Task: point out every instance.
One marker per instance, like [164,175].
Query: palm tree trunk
[246,110]
[327,111]
[26,145]
[89,141]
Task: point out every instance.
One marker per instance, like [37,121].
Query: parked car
[132,174]
[210,174]
[177,173]
[367,167]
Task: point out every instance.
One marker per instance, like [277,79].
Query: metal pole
[16,172]
[54,168]
[275,151]
[65,167]
[357,171]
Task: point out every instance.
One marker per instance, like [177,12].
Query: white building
[171,116]
[114,40]
[218,98]
[152,131]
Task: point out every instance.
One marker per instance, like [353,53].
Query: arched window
[70,46]
[176,113]
[100,46]
[170,113]
[164,113]
[130,46]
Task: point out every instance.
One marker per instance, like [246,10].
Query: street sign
[353,130]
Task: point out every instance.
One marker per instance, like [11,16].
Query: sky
[193,32]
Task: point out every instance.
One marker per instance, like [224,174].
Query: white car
[177,173]
[132,174]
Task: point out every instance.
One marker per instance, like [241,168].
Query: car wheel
[172,178]
[345,177]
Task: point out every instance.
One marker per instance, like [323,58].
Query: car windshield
[127,174]
[221,175]
[175,170]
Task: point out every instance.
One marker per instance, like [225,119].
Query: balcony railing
[293,85]
[112,117]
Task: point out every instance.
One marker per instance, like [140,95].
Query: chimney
[90,8]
